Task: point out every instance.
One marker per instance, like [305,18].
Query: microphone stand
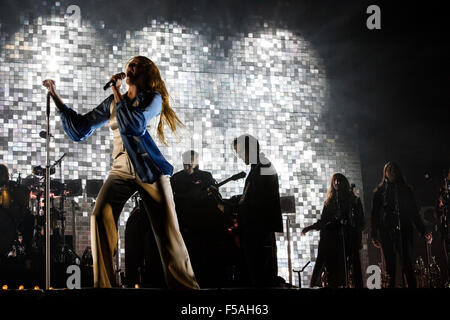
[342,227]
[47,199]
[398,233]
[74,238]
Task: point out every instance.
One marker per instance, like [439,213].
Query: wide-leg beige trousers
[160,208]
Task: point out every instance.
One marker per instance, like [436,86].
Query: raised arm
[79,127]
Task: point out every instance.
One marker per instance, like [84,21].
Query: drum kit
[22,216]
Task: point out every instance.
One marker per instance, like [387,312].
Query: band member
[202,225]
[259,213]
[138,165]
[394,213]
[4,175]
[12,195]
[191,182]
[4,179]
[340,226]
[443,211]
[444,192]
[189,187]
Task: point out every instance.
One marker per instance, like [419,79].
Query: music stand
[73,188]
[93,187]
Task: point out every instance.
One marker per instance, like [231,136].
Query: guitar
[214,189]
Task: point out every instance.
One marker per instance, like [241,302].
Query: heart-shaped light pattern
[269,83]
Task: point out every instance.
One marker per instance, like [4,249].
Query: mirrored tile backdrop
[268,82]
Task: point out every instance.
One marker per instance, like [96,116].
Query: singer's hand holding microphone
[116,81]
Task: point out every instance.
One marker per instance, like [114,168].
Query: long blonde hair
[153,81]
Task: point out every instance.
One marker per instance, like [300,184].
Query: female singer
[138,165]
[342,221]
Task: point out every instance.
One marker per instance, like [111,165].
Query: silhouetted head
[190,161]
[392,173]
[338,183]
[247,148]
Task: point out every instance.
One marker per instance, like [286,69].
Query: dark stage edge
[281,303]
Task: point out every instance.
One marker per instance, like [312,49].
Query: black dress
[394,215]
[334,223]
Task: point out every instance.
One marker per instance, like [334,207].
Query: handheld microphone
[112,82]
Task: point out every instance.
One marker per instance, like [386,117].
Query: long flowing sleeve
[132,121]
[79,127]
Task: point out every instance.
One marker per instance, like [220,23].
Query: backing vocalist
[394,216]
[138,165]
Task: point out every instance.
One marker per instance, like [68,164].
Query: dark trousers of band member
[160,208]
[260,256]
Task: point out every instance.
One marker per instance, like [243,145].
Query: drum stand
[64,254]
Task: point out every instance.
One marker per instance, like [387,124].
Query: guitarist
[259,213]
[202,225]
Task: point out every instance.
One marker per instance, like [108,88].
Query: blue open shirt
[147,160]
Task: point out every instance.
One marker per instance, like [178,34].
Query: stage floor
[241,303]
